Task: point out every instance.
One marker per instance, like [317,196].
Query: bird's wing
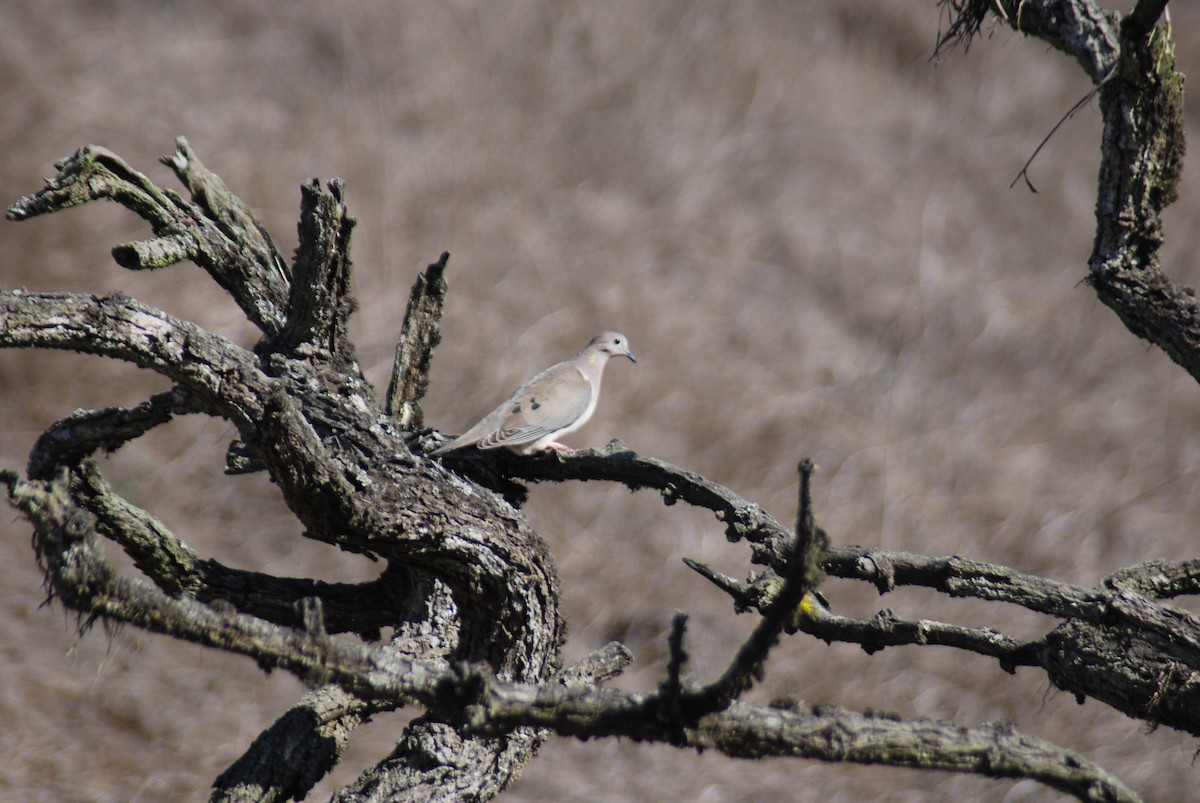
[547,404]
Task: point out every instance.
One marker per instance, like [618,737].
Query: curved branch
[362,608]
[342,498]
[70,440]
[770,542]
[230,245]
[1120,601]
[487,703]
[288,758]
[1079,28]
[1142,155]
[220,373]
[1123,604]
[76,572]
[1141,152]
[214,369]
[304,410]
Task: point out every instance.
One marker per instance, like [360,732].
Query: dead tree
[469,588]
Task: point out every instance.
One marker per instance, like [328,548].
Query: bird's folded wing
[550,402]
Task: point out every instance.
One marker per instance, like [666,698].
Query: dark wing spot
[534,404]
[515,410]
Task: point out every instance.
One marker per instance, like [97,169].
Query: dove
[559,400]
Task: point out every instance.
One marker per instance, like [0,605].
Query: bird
[553,403]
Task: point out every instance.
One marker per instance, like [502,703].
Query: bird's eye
[616,341]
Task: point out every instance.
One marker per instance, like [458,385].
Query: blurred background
[804,225]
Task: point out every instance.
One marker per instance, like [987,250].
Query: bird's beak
[629,354]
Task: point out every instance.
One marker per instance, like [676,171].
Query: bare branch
[414,351]
[1132,64]
[826,733]
[802,576]
[217,371]
[770,541]
[320,305]
[468,587]
[883,630]
[1141,159]
[1145,16]
[306,414]
[376,676]
[1111,603]
[85,432]
[288,759]
[234,218]
[1079,28]
[250,273]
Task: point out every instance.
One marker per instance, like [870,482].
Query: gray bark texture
[466,587]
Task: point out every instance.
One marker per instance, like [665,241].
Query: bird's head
[612,344]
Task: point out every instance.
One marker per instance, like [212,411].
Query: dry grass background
[803,225]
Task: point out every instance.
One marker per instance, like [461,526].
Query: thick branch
[317,728]
[347,500]
[320,305]
[375,675]
[1141,98]
[1159,579]
[1142,155]
[304,410]
[219,372]
[1134,675]
[288,758]
[349,607]
[76,572]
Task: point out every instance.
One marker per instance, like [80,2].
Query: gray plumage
[557,401]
